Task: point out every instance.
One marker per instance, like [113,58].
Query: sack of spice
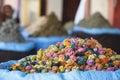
[73,54]
[9,32]
[95,20]
[53,27]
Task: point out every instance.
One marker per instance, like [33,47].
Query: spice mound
[73,54]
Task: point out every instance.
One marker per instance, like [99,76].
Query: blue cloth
[7,65]
[20,47]
[73,75]
[42,42]
[24,34]
[96,30]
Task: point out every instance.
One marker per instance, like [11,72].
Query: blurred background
[29,10]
